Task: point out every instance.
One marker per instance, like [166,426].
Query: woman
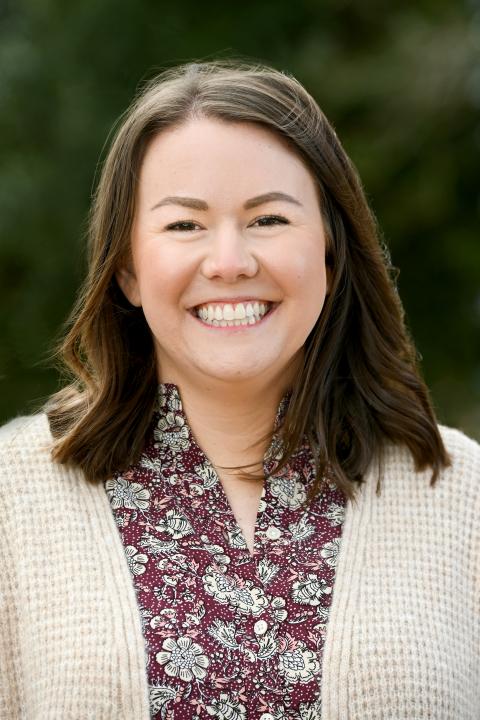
[242,505]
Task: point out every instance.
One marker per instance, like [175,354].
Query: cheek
[162,275]
[304,272]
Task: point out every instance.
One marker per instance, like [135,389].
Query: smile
[232,314]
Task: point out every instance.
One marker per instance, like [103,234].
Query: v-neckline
[169,400]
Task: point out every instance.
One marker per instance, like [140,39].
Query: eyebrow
[196,204]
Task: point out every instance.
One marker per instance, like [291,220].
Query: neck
[232,424]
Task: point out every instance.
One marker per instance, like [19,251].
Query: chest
[243,497]
[234,582]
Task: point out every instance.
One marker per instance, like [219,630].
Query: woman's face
[228,253]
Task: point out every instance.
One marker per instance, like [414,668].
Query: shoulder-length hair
[359,386]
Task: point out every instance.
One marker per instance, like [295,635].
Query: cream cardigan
[403,636]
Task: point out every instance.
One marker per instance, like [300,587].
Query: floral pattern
[229,634]
[184,658]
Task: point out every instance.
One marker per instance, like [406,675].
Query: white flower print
[227,636]
[335,513]
[298,665]
[196,490]
[150,464]
[262,505]
[275,450]
[267,570]
[121,520]
[207,475]
[247,598]
[183,658]
[175,524]
[289,490]
[301,530]
[160,696]
[222,561]
[323,613]
[155,546]
[236,539]
[167,618]
[279,713]
[136,561]
[219,586]
[279,612]
[172,431]
[130,495]
[195,618]
[329,552]
[212,548]
[180,560]
[224,633]
[218,555]
[227,708]
[267,645]
[310,589]
[145,615]
[311,711]
[169,400]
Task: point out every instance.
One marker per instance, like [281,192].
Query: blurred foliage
[400,82]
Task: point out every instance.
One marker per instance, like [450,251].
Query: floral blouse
[228,634]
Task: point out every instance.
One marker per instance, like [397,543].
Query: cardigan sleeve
[10,694]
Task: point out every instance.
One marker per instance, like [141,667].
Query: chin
[233,375]
[235,372]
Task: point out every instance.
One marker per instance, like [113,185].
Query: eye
[183,226]
[268,220]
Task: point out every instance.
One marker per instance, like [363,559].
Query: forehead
[208,152]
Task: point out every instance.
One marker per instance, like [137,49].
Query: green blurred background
[400,82]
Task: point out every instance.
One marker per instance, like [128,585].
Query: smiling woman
[244,482]
[255,247]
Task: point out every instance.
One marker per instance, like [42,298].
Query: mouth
[221,314]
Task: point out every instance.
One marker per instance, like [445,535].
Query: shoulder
[465,459]
[31,481]
[25,434]
[461,447]
[25,446]
[463,451]
[460,479]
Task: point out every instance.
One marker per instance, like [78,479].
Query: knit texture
[403,636]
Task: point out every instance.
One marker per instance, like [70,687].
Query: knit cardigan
[403,636]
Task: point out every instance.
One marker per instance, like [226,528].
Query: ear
[128,284]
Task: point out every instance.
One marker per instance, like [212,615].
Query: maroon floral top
[228,635]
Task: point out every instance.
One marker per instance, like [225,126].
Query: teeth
[228,312]
[240,313]
[232,315]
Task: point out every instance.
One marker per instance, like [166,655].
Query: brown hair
[359,386]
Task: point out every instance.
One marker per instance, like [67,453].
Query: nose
[229,257]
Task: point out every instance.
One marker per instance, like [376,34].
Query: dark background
[399,81]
